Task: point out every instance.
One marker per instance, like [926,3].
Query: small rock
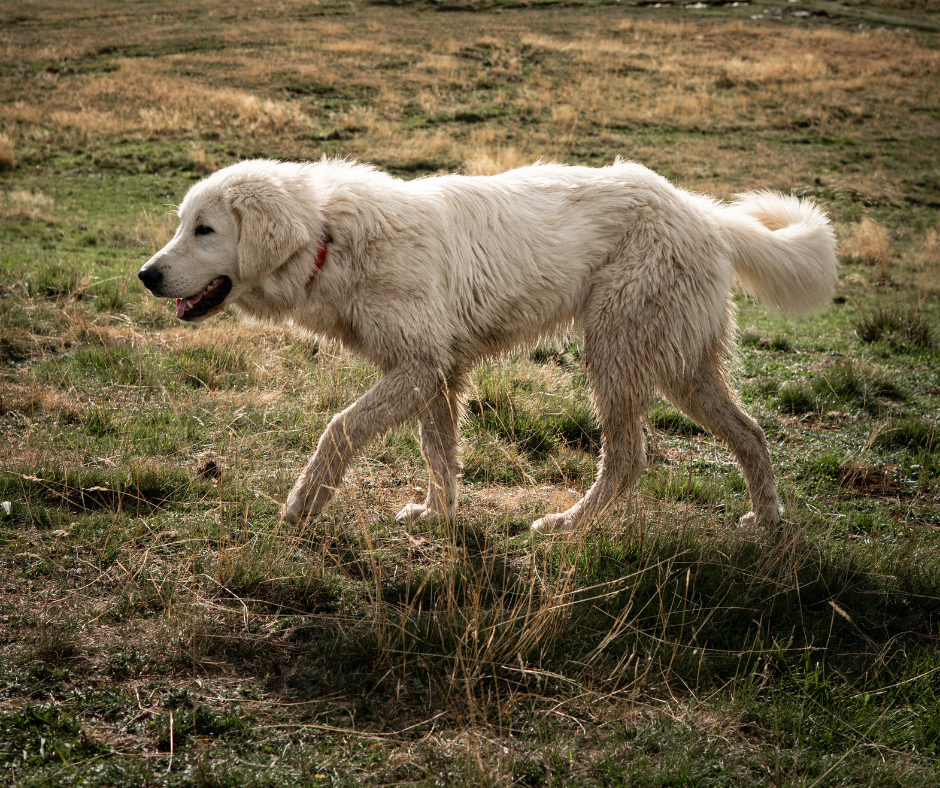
[7,508]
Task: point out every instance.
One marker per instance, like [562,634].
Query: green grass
[901,329]
[159,626]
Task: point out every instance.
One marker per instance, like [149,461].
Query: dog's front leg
[439,444]
[404,392]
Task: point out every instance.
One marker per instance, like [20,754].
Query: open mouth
[206,301]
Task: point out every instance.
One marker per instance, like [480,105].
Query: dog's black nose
[150,277]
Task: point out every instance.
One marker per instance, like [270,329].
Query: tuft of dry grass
[929,255]
[928,264]
[867,242]
[203,163]
[30,399]
[489,162]
[6,152]
[24,204]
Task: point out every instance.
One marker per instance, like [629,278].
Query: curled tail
[783,250]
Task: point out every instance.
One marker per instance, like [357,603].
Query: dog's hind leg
[705,396]
[402,394]
[621,377]
[623,456]
[439,445]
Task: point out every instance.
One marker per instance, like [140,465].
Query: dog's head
[237,227]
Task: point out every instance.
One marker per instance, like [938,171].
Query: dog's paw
[295,509]
[553,524]
[301,504]
[417,511]
[298,508]
[288,515]
[751,519]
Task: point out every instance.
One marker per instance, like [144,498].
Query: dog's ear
[270,227]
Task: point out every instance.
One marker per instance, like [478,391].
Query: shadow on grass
[142,488]
[610,613]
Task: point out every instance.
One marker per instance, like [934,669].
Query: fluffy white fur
[425,278]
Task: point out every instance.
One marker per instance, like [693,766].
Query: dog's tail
[784,251]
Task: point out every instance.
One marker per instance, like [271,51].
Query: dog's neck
[320,258]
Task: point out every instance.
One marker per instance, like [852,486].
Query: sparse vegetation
[857,383]
[158,626]
[796,397]
[903,328]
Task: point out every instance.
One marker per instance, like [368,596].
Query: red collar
[321,255]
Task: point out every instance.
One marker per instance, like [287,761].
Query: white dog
[424,278]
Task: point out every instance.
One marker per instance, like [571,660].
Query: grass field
[158,626]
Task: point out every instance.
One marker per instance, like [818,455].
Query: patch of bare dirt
[868,480]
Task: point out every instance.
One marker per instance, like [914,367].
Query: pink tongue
[182,303]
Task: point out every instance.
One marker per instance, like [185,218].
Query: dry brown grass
[203,162]
[30,205]
[493,162]
[929,255]
[6,152]
[927,263]
[867,242]
[29,399]
[604,75]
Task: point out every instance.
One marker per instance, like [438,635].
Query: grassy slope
[157,625]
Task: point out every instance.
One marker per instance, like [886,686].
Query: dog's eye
[204,229]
